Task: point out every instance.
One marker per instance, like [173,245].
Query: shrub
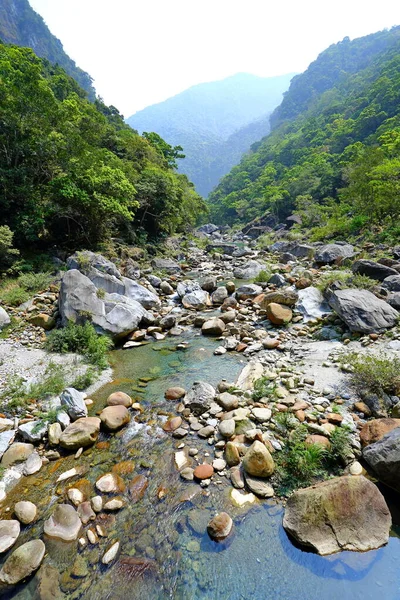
[82,339]
[34,282]
[84,380]
[298,464]
[328,278]
[375,373]
[363,282]
[13,295]
[263,277]
[340,446]
[262,388]
[14,292]
[8,254]
[18,395]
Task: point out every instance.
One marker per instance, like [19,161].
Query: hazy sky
[142,51]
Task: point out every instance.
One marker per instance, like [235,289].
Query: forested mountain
[203,118]
[22,26]
[72,173]
[334,152]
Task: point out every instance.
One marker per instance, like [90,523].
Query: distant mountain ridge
[22,26]
[214,122]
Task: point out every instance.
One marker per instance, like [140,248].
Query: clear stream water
[165,550]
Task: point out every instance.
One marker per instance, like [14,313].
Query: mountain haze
[203,118]
[22,26]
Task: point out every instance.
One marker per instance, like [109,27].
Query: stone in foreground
[23,562]
[257,461]
[345,513]
[81,434]
[220,527]
[64,524]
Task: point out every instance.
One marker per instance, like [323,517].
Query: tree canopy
[334,153]
[72,173]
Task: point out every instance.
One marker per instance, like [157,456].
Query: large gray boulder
[74,402]
[197,300]
[106,282]
[345,513]
[222,248]
[114,314]
[250,290]
[384,457]
[208,228]
[84,260]
[135,291]
[311,304]
[4,318]
[331,253]
[187,286]
[392,283]
[165,264]
[200,397]
[372,269]
[250,270]
[362,311]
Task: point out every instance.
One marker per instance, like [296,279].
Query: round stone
[64,523]
[25,512]
[175,393]
[356,468]
[219,464]
[119,399]
[203,471]
[115,417]
[220,526]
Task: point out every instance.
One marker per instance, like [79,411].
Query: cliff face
[22,26]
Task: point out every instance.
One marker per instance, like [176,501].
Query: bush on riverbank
[377,374]
[81,339]
[300,463]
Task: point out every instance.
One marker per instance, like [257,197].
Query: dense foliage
[337,162]
[22,26]
[214,122]
[72,173]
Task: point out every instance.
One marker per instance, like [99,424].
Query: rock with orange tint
[172,424]
[334,418]
[300,415]
[175,393]
[318,440]
[271,343]
[303,283]
[119,398]
[115,417]
[203,471]
[110,483]
[220,526]
[373,431]
[137,488]
[279,314]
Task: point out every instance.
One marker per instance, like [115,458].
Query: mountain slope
[72,173]
[339,156]
[22,26]
[202,118]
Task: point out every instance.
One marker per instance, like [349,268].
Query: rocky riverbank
[255,437]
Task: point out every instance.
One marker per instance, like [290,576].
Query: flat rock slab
[345,513]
